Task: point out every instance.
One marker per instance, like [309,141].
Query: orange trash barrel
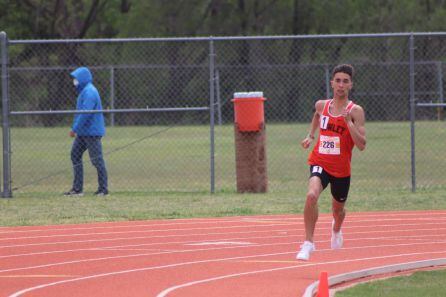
[248,111]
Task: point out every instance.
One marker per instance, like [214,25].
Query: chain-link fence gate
[169,115]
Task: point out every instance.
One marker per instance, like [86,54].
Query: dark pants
[94,146]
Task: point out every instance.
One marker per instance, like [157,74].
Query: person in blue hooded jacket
[87,130]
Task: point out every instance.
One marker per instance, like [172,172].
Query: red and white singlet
[333,150]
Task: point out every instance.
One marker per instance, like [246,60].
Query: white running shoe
[305,250]
[336,238]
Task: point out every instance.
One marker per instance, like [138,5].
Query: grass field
[42,209]
[167,175]
[178,160]
[422,283]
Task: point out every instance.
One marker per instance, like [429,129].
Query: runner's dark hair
[344,68]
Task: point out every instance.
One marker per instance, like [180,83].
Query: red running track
[232,256]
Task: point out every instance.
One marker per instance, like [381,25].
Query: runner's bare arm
[319,106]
[356,124]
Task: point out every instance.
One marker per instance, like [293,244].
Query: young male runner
[341,127]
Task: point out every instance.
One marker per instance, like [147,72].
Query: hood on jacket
[83,76]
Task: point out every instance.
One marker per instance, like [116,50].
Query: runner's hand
[347,116]
[306,142]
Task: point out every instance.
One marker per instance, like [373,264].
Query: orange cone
[322,289]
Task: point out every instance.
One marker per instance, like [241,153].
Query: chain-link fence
[169,116]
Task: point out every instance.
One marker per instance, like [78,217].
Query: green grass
[178,160]
[421,283]
[167,175]
[43,209]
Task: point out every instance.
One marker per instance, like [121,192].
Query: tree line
[54,19]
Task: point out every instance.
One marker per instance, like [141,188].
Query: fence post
[412,108]
[5,119]
[211,111]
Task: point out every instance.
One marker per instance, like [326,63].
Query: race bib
[330,145]
[324,122]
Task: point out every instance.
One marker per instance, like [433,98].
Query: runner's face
[341,84]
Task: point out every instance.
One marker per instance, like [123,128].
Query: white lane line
[171,289]
[138,255]
[146,223]
[16,230]
[16,294]
[263,224]
[38,276]
[210,249]
[347,224]
[387,230]
[146,237]
[220,243]
[282,235]
[138,270]
[429,215]
[286,233]
[136,249]
[27,290]
[144,231]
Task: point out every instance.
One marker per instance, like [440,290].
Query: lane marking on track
[263,261]
[204,221]
[268,221]
[144,231]
[347,227]
[19,293]
[114,225]
[430,221]
[139,255]
[169,290]
[135,249]
[220,243]
[278,231]
[38,276]
[68,228]
[151,237]
[396,238]
[208,249]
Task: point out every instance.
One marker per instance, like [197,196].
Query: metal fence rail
[185,84]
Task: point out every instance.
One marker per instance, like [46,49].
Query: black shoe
[101,193]
[73,193]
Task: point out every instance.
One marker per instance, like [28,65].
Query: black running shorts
[339,185]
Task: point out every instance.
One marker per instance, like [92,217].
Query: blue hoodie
[87,124]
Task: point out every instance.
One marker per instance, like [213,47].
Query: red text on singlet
[333,150]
